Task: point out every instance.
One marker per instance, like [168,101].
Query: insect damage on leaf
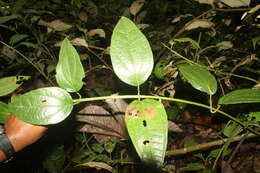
[149,112]
[144,142]
[132,111]
[144,123]
[44,102]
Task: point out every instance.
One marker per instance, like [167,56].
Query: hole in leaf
[19,80]
[144,123]
[44,102]
[19,77]
[146,142]
[132,112]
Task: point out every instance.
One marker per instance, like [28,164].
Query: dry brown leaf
[178,18]
[203,23]
[236,3]
[79,42]
[98,166]
[140,17]
[100,32]
[136,6]
[9,54]
[143,26]
[172,127]
[56,25]
[210,2]
[101,123]
[83,16]
[225,45]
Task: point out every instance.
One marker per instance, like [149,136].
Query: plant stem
[233,9]
[169,99]
[208,145]
[215,71]
[190,22]
[29,61]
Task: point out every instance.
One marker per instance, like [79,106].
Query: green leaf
[97,148]
[236,3]
[147,126]
[193,167]
[194,43]
[214,153]
[17,37]
[11,83]
[255,40]
[199,78]
[255,115]
[4,19]
[131,54]
[241,96]
[232,129]
[29,45]
[69,70]
[160,69]
[4,112]
[110,145]
[192,144]
[43,106]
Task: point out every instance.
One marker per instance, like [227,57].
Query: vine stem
[215,71]
[168,99]
[204,13]
[29,61]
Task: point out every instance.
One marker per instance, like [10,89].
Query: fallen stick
[204,146]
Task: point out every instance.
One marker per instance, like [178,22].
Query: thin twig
[233,9]
[187,24]
[204,146]
[237,148]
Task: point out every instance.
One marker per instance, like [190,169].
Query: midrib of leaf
[68,65]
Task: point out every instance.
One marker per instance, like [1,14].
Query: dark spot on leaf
[44,102]
[146,142]
[144,123]
[19,80]
[19,77]
[132,111]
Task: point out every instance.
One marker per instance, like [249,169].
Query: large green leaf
[147,126]
[11,83]
[199,78]
[69,70]
[131,54]
[241,96]
[4,112]
[43,106]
